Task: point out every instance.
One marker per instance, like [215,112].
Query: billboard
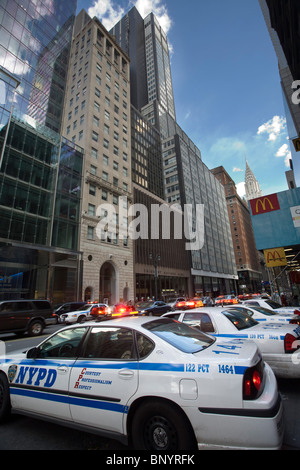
[275,257]
[276,219]
[264,204]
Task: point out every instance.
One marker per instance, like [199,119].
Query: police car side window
[63,344]
[110,343]
[144,345]
[199,320]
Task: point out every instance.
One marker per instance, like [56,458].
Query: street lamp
[155,259]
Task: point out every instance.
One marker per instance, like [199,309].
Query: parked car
[151,382]
[68,307]
[78,316]
[262,314]
[276,341]
[25,316]
[157,307]
[100,310]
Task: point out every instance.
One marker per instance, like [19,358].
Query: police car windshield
[179,335]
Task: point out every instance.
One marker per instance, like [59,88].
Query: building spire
[251,184]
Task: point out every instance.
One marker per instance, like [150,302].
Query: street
[23,433]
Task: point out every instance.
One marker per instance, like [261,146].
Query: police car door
[39,383]
[105,378]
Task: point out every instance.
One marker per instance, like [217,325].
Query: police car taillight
[253,382]
[295,321]
[290,343]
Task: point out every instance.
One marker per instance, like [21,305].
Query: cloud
[236,170]
[285,152]
[109,12]
[158,8]
[240,187]
[274,127]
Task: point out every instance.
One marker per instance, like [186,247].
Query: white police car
[80,315]
[271,304]
[155,383]
[279,343]
[262,314]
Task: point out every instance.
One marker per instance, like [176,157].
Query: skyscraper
[281,20]
[97,117]
[251,184]
[147,46]
[186,179]
[40,174]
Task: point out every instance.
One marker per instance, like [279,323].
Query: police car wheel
[4,398]
[161,427]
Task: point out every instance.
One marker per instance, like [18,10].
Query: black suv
[20,316]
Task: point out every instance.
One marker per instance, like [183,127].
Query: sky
[226,83]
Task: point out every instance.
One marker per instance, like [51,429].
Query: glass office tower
[186,179]
[40,172]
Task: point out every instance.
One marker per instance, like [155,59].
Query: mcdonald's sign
[264,204]
[275,257]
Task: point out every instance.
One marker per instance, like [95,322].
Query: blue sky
[226,83]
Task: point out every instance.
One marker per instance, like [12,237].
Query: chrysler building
[251,184]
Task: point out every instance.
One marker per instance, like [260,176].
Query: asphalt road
[22,433]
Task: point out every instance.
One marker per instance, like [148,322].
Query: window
[64,344]
[95,136]
[105,160]
[92,210]
[94,153]
[110,343]
[199,320]
[92,190]
[179,335]
[93,170]
[90,233]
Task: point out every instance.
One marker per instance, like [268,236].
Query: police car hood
[237,351]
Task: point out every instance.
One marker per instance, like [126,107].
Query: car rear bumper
[258,424]
[286,366]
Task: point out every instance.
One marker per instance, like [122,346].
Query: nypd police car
[82,314]
[279,343]
[262,314]
[154,382]
[270,304]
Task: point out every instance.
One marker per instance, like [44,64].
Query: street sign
[296,143]
[275,257]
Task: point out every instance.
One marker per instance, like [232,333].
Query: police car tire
[160,426]
[4,398]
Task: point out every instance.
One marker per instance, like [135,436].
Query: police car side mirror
[32,353]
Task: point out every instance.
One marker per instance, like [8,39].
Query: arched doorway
[88,294]
[107,287]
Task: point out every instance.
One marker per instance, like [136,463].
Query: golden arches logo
[263,203]
[275,257]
